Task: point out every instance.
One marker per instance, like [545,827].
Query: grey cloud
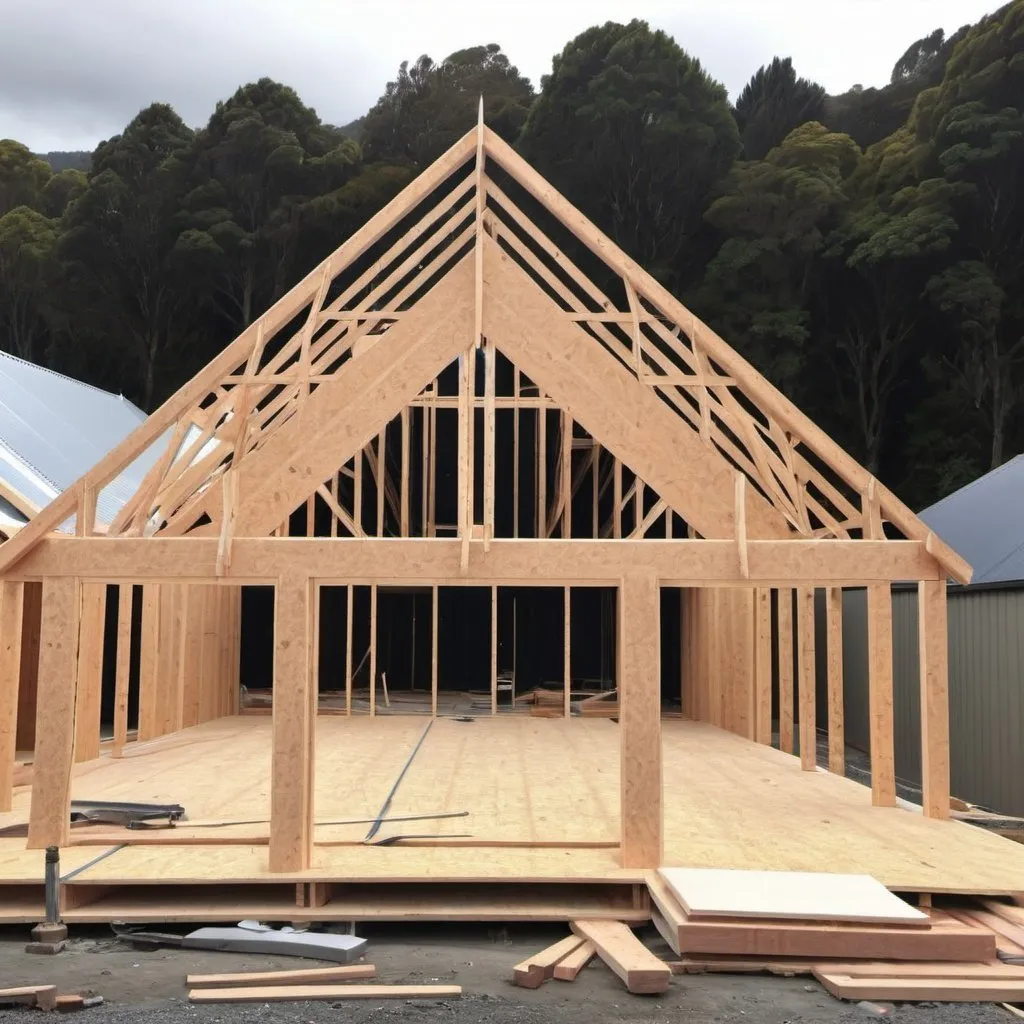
[73,73]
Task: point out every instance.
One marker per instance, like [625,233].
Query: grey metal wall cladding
[986,691]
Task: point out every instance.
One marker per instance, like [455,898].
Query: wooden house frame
[715,482]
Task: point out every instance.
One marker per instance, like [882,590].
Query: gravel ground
[148,987]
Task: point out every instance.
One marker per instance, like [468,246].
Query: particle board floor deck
[542,801]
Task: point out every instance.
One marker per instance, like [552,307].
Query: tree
[886,250]
[326,220]
[775,215]
[27,242]
[919,58]
[22,176]
[60,190]
[261,156]
[429,106]
[986,367]
[637,134]
[971,130]
[117,249]
[772,104]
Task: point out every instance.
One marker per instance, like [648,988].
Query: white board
[802,895]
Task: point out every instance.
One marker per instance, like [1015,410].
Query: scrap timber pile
[858,940]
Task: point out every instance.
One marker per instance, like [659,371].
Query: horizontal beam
[579,562]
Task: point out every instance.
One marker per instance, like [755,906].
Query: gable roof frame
[765,452]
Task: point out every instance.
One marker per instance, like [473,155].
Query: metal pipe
[52,885]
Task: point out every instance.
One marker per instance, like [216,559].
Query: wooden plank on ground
[567,969]
[313,976]
[922,989]
[538,968]
[44,997]
[308,993]
[792,895]
[742,965]
[641,971]
[949,971]
[994,923]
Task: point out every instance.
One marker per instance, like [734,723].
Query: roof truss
[453,265]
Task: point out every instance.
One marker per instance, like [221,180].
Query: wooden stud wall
[612,408]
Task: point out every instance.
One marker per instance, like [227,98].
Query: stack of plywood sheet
[858,939]
[773,915]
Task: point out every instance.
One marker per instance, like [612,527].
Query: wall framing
[306,454]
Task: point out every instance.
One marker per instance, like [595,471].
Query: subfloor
[537,801]
[148,986]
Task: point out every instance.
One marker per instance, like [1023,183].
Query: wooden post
[349,598]
[542,471]
[382,476]
[334,491]
[357,489]
[639,685]
[567,624]
[465,458]
[617,499]
[785,644]
[515,451]
[934,656]
[433,654]
[494,650]
[90,671]
[50,815]
[404,485]
[373,649]
[883,773]
[432,489]
[808,711]
[565,486]
[11,598]
[123,667]
[490,482]
[836,728]
[149,660]
[291,798]
[763,666]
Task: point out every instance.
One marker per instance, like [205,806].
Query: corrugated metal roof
[53,429]
[983,522]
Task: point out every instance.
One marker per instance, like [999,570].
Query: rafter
[444,271]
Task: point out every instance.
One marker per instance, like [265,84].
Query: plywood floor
[549,784]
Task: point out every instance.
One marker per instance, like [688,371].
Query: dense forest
[865,251]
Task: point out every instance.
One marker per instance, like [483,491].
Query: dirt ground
[148,986]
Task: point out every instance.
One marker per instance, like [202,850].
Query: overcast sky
[74,73]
